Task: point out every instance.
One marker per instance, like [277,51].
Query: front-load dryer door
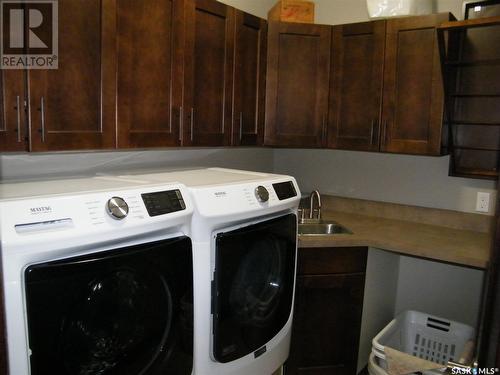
[253,282]
[123,312]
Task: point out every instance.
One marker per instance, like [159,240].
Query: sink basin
[321,228]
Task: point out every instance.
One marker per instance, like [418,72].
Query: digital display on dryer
[163,202]
[285,190]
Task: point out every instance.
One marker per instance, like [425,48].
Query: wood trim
[224,137]
[169,134]
[256,138]
[369,141]
[104,135]
[432,145]
[476,22]
[272,136]
[12,84]
[489,354]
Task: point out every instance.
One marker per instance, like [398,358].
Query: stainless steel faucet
[311,199]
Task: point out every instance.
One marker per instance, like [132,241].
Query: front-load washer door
[253,286]
[123,312]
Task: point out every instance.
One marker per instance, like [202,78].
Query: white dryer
[244,233]
[97,277]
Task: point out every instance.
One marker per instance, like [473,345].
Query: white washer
[244,232]
[97,277]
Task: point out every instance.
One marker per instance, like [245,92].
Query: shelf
[476,148]
[473,62]
[461,53]
[468,24]
[481,174]
[470,123]
[475,95]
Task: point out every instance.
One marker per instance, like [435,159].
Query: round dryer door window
[258,283]
[253,286]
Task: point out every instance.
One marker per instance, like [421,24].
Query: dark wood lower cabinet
[328,309]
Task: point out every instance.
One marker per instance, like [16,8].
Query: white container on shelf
[397,8]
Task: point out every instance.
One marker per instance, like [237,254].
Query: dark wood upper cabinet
[13,129]
[149,77]
[250,51]
[207,108]
[356,86]
[413,98]
[298,70]
[73,107]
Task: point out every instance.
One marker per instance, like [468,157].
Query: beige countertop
[436,242]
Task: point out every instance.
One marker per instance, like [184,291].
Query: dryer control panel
[242,199]
[285,190]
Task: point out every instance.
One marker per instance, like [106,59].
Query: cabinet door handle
[18,118]
[42,118]
[371,132]
[385,123]
[241,126]
[192,124]
[181,123]
[323,131]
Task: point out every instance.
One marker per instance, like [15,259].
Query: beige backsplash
[423,215]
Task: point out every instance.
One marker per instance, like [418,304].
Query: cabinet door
[149,77]
[13,130]
[412,112]
[73,107]
[249,79]
[206,118]
[326,325]
[356,90]
[297,84]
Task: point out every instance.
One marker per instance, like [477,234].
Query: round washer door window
[122,321]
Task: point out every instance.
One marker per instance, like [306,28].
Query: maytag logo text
[41,209]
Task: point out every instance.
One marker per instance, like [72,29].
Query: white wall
[48,165]
[414,180]
[379,302]
[255,7]
[333,12]
[459,289]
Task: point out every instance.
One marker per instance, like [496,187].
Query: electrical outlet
[483,202]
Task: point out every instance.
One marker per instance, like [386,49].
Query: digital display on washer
[163,202]
[285,190]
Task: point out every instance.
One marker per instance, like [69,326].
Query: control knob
[261,194]
[117,208]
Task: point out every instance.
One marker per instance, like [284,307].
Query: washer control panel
[163,202]
[117,208]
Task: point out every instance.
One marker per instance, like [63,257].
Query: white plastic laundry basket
[424,336]
[373,366]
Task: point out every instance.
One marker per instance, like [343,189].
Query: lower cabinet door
[326,324]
